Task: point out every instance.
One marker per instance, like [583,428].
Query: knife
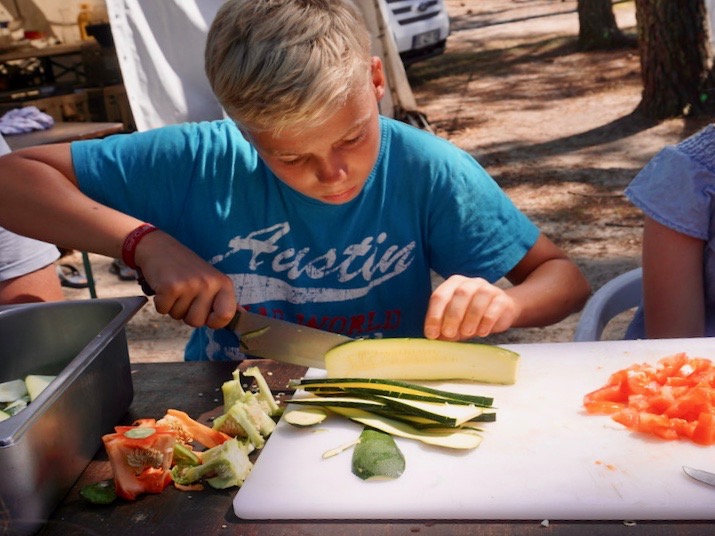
[700,475]
[271,338]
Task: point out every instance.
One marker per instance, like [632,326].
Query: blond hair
[281,63]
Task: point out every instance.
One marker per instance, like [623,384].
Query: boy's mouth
[341,197]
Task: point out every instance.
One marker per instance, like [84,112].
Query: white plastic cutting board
[544,458]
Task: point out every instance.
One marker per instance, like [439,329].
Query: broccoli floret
[232,391]
[222,467]
[264,392]
[246,418]
[259,417]
[239,415]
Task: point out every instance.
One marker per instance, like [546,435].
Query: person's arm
[673,292]
[548,287]
[40,199]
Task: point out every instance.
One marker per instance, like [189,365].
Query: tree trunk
[675,56]
[597,26]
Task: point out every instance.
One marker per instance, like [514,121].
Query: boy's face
[332,161]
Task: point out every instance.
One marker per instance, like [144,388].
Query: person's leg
[39,286]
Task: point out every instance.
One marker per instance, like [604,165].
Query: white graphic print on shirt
[371,260]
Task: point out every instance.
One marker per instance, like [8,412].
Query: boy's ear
[378,78]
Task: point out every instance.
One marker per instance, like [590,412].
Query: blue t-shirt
[361,269]
[677,189]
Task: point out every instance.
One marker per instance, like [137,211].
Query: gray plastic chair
[618,295]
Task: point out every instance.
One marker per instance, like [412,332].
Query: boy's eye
[357,139]
[292,161]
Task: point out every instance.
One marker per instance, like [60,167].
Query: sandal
[122,270]
[71,277]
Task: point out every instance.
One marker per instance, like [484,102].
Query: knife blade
[701,476]
[276,339]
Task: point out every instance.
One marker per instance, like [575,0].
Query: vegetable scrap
[15,395]
[150,455]
[377,457]
[673,399]
[100,492]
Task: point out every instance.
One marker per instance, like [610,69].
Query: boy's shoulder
[216,136]
[399,135]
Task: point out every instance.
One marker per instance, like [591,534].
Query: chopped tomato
[675,399]
[704,432]
[141,458]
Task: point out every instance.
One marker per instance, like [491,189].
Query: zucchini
[394,388]
[422,359]
[454,438]
[377,457]
[305,416]
[3,415]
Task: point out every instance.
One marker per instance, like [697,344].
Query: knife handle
[146,287]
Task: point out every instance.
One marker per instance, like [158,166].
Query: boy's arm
[673,292]
[40,198]
[548,286]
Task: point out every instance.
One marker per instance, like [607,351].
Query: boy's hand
[463,307]
[186,287]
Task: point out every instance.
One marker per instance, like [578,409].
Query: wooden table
[62,132]
[49,58]
[195,388]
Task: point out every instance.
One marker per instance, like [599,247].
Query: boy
[306,205]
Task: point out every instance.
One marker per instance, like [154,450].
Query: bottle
[5,35]
[83,19]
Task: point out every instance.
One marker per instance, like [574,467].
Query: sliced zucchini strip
[422,359]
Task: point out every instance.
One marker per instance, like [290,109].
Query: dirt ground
[555,127]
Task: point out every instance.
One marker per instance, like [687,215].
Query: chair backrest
[618,295]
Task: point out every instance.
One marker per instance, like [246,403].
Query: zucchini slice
[36,383]
[394,388]
[453,438]
[12,390]
[305,417]
[343,401]
[422,359]
[442,412]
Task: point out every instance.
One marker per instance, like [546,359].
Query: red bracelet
[132,241]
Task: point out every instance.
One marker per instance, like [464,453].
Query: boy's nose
[331,170]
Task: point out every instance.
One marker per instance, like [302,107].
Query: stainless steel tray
[45,447]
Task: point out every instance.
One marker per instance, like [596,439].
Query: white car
[420,27]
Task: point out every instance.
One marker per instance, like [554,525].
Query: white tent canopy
[160,48]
